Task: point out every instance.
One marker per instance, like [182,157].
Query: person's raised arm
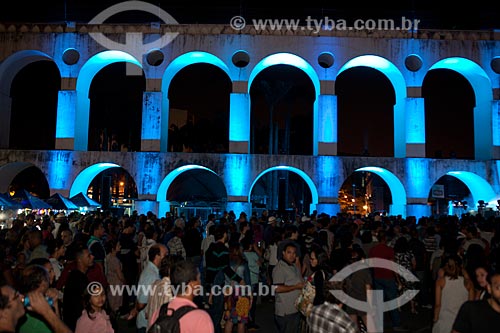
[39,304]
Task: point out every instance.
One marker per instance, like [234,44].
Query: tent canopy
[59,202]
[82,200]
[27,200]
[7,203]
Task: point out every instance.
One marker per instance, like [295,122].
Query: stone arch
[397,189]
[481,85]
[300,173]
[8,173]
[85,177]
[298,62]
[479,188]
[87,74]
[186,59]
[394,75]
[161,196]
[8,71]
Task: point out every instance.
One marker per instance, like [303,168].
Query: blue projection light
[398,83]
[480,189]
[483,92]
[397,189]
[84,178]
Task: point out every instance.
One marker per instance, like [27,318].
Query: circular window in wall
[71,56]
[413,62]
[326,60]
[155,57]
[241,58]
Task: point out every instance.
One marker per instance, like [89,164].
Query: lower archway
[192,190]
[287,191]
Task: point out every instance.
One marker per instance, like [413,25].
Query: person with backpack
[181,315]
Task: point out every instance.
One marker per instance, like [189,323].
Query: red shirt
[385,252]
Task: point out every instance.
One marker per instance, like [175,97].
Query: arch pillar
[151,116]
[66,112]
[328,205]
[415,127]
[239,118]
[6,103]
[239,204]
[327,119]
[418,207]
[147,206]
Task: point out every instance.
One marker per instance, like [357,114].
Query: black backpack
[168,319]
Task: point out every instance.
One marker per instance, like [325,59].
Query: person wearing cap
[269,229]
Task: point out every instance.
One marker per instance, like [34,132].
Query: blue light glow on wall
[415,121]
[65,126]
[331,181]
[237,174]
[298,62]
[151,116]
[417,177]
[239,117]
[84,178]
[302,174]
[480,189]
[398,83]
[481,84]
[87,73]
[327,119]
[397,189]
[161,196]
[59,169]
[190,58]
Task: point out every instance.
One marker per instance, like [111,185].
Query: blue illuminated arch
[87,73]
[398,83]
[84,178]
[302,174]
[397,189]
[298,62]
[161,195]
[190,58]
[480,189]
[8,71]
[481,85]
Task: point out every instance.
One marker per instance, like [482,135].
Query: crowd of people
[63,273]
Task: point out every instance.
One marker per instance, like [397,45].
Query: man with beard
[483,315]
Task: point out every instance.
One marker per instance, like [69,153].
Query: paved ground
[416,323]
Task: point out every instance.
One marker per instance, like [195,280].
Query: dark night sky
[483,15]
